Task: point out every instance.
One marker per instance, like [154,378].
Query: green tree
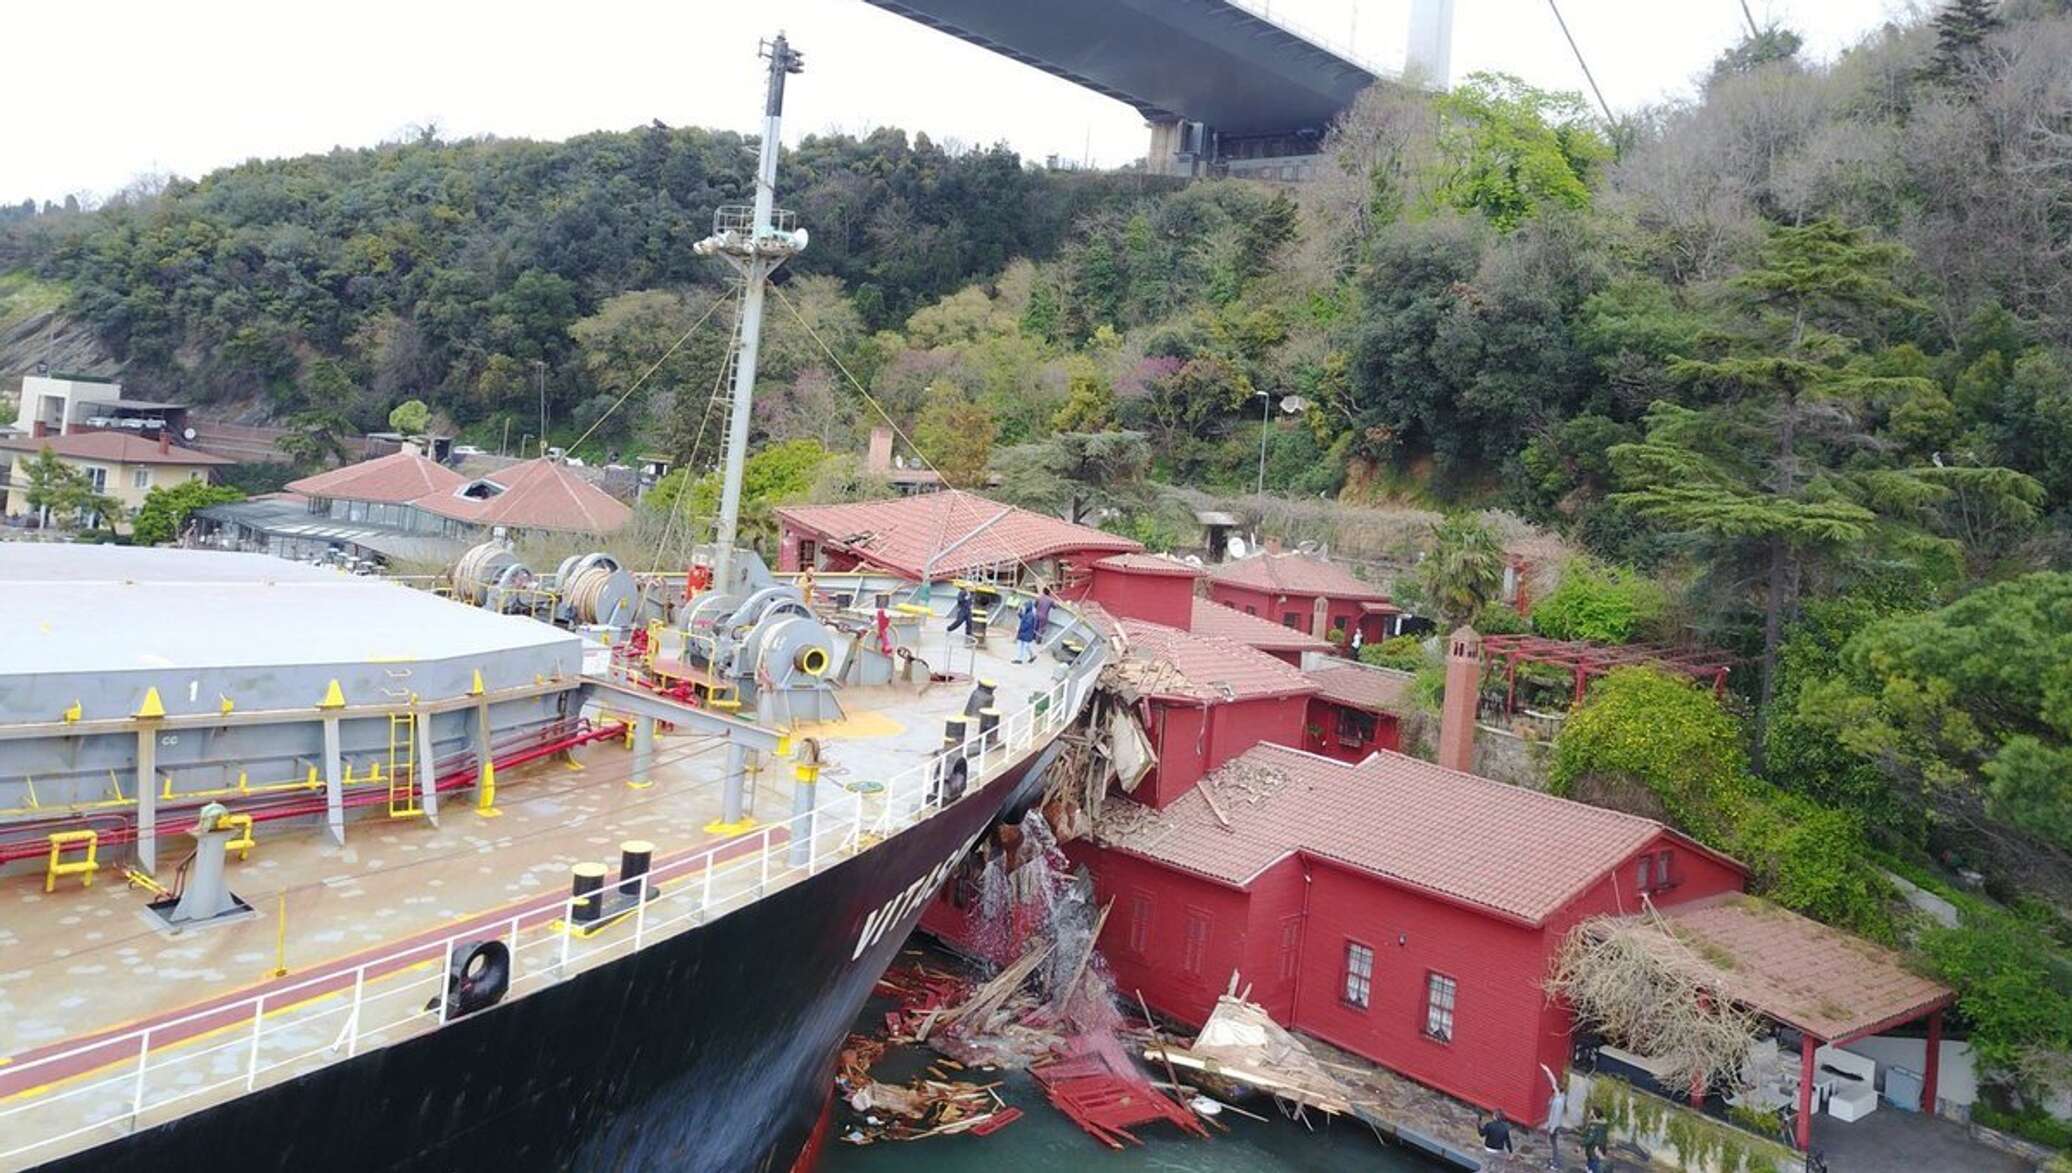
[1961,28]
[1089,401]
[410,417]
[63,495]
[1758,475]
[1507,149]
[1075,474]
[1967,710]
[316,436]
[1463,570]
[164,511]
[955,435]
[776,474]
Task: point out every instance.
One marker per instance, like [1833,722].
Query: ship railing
[110,1086]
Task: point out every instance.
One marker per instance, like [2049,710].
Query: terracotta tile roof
[1158,564]
[1295,574]
[1795,970]
[114,447]
[396,479]
[542,494]
[1515,851]
[536,494]
[1213,618]
[901,534]
[1215,669]
[1361,687]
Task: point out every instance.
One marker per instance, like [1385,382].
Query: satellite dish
[1234,547]
[1294,404]
[188,433]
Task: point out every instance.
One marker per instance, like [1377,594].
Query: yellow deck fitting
[152,706]
[73,714]
[334,697]
[244,843]
[715,827]
[485,803]
[83,867]
[142,879]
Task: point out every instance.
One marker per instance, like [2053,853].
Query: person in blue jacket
[1025,634]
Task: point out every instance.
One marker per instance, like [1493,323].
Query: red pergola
[1586,660]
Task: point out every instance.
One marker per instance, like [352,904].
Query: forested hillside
[1791,361]
[341,284]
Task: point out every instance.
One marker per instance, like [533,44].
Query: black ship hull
[713,1049]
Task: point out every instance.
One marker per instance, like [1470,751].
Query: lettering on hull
[894,910]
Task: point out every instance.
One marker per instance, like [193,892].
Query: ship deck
[360,928]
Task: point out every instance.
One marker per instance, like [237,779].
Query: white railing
[110,1085]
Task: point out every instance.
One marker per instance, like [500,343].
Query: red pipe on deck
[268,810]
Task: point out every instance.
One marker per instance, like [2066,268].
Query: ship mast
[755,240]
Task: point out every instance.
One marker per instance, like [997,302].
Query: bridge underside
[1208,75]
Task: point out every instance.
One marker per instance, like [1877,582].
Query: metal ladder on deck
[402,751]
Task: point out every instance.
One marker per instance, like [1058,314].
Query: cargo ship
[589,868]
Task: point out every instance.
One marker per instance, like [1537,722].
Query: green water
[1044,1140]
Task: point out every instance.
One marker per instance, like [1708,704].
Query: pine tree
[1961,29]
[1763,476]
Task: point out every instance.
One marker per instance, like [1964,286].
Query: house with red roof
[413,494]
[949,534]
[1403,911]
[120,465]
[1304,593]
[1356,710]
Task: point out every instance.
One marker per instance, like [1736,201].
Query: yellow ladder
[402,766]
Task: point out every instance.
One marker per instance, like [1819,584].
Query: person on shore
[1025,634]
[1496,1135]
[1596,1135]
[1557,1114]
[960,614]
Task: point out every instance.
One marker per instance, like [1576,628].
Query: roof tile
[1361,687]
[903,534]
[1516,851]
[396,479]
[1213,618]
[1292,573]
[115,447]
[1216,668]
[1797,970]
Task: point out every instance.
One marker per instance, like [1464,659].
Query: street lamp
[1265,415]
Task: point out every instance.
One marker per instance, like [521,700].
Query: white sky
[100,93]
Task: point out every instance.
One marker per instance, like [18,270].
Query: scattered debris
[1241,1045]
[1107,1099]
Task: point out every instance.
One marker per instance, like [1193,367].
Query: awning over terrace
[1831,986]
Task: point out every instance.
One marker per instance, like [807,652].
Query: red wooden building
[1306,593]
[1403,911]
[1356,711]
[1205,700]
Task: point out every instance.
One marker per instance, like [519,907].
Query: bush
[164,510]
[1811,859]
[2008,983]
[1496,618]
[2029,1124]
[1658,730]
[1605,604]
[1405,653]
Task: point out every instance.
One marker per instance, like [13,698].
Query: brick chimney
[1463,689]
[879,459]
[39,429]
[165,441]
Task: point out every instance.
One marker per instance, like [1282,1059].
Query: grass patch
[24,295]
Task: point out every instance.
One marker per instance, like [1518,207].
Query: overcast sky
[100,93]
